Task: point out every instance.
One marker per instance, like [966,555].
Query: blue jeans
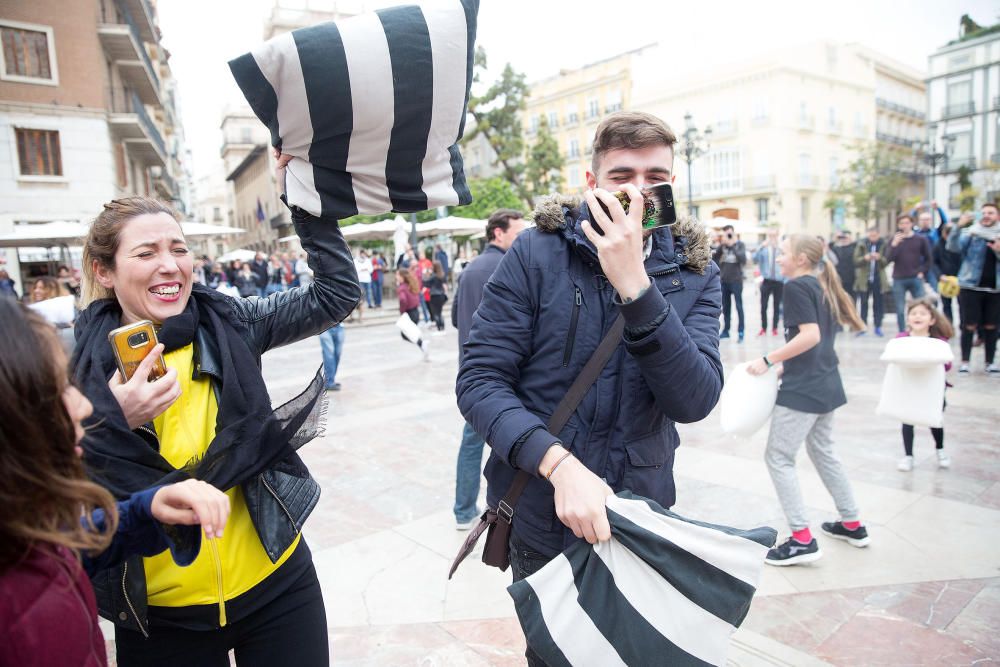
[272,288]
[377,291]
[425,309]
[734,290]
[366,289]
[468,472]
[900,286]
[331,342]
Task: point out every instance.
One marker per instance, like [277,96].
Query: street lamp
[927,152]
[695,144]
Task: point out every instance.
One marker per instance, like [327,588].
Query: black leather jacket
[281,498]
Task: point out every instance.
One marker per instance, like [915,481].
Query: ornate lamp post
[694,144]
[927,152]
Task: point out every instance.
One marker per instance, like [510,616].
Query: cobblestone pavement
[927,590]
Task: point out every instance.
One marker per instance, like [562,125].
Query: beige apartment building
[574,102]
[87,112]
[783,128]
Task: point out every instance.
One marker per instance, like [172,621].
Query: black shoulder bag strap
[498,520]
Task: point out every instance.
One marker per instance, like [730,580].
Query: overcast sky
[540,37]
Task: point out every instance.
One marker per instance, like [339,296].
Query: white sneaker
[905,464]
[467,525]
[944,461]
[963,369]
[993,369]
[425,347]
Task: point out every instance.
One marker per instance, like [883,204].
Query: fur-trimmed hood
[692,246]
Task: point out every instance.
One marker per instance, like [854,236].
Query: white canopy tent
[241,254]
[192,228]
[742,227]
[452,226]
[371,231]
[46,234]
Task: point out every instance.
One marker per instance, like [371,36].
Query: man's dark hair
[501,220]
[989,203]
[729,228]
[905,216]
[631,130]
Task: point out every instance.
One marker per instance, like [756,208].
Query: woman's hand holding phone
[141,400]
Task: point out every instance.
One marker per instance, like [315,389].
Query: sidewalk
[926,592]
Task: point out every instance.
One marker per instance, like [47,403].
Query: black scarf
[250,438]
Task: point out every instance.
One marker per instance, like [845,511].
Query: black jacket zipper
[571,338]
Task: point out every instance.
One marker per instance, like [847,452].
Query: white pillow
[747,400]
[372,107]
[60,310]
[408,328]
[917,351]
[913,394]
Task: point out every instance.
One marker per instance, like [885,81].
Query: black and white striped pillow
[664,590]
[374,106]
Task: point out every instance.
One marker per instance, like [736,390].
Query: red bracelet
[556,464]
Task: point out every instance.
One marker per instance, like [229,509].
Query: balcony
[760,183]
[835,128]
[163,182]
[954,164]
[957,110]
[893,139]
[807,123]
[124,45]
[724,129]
[995,160]
[996,104]
[129,123]
[145,19]
[900,108]
[760,121]
[808,181]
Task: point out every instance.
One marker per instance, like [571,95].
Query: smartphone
[658,206]
[131,343]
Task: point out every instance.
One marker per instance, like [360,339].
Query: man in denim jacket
[979,280]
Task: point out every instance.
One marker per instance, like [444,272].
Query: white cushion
[913,394]
[917,351]
[747,400]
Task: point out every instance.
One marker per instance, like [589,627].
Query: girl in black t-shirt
[815,305]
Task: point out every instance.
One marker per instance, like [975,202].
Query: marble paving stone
[990,497]
[423,645]
[500,641]
[874,639]
[979,621]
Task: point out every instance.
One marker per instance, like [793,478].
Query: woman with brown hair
[434,282]
[210,418]
[408,293]
[815,306]
[45,288]
[53,516]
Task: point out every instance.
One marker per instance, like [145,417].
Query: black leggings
[437,305]
[290,630]
[937,432]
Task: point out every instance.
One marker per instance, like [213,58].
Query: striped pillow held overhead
[664,590]
[374,106]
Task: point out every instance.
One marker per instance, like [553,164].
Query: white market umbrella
[46,235]
[289,239]
[452,225]
[381,230]
[242,254]
[192,228]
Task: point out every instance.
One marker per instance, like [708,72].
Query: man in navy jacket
[501,230]
[555,294]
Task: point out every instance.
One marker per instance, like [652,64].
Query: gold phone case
[131,343]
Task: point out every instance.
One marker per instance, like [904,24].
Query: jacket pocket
[573,322]
[669,281]
[649,466]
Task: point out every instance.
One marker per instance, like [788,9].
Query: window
[572,117]
[574,177]
[28,53]
[724,172]
[121,170]
[553,119]
[759,113]
[593,108]
[614,101]
[761,210]
[959,92]
[216,213]
[859,125]
[804,220]
[535,122]
[574,148]
[805,169]
[38,152]
[963,144]
[834,173]
[831,118]
[694,211]
[246,135]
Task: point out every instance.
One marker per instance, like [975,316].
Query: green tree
[487,196]
[497,117]
[967,193]
[871,183]
[543,171]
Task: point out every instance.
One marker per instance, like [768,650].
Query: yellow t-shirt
[225,567]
